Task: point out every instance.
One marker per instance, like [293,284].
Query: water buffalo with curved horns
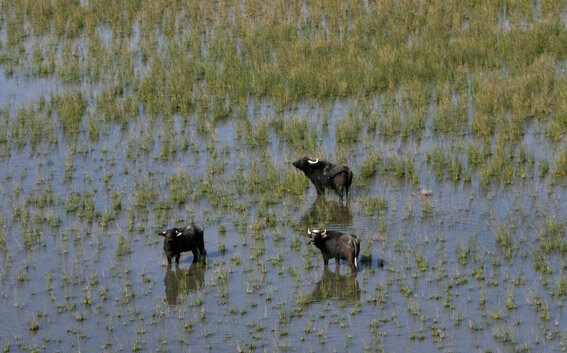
[324,174]
[336,245]
[178,240]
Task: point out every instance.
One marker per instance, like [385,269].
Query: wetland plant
[123,247]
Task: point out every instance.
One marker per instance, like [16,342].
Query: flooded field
[459,194]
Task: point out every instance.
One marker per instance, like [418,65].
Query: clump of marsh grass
[3,243]
[349,129]
[551,237]
[296,132]
[505,241]
[402,169]
[69,67]
[33,124]
[4,115]
[70,108]
[123,247]
[559,168]
[543,167]
[450,116]
[390,122]
[375,205]
[114,107]
[370,165]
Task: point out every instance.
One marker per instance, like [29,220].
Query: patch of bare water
[16,91]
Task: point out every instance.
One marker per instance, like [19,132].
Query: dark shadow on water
[187,257]
[333,286]
[367,262]
[323,212]
[179,282]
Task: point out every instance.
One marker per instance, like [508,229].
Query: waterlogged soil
[461,267]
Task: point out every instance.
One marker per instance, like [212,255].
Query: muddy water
[83,267]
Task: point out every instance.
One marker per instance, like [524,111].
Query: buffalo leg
[203,251]
[353,262]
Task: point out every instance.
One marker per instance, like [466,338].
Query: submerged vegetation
[161,113]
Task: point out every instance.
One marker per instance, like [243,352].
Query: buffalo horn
[324,233]
[313,162]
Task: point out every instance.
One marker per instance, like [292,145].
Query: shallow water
[83,268]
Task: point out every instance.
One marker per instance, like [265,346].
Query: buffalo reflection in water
[323,212]
[333,286]
[181,282]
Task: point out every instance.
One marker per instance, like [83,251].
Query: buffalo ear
[162,234]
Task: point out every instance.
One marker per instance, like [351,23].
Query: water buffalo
[178,240]
[336,245]
[325,174]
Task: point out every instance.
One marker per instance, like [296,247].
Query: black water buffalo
[336,245]
[325,174]
[178,240]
